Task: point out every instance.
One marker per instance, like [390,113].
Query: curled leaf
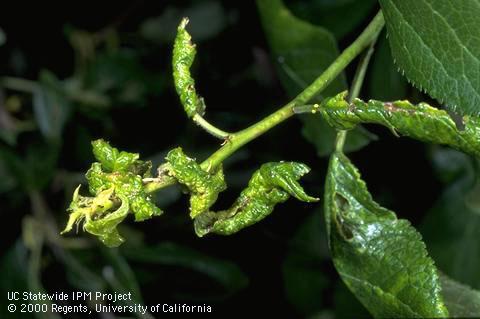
[203,186]
[105,227]
[183,56]
[285,175]
[116,184]
[110,158]
[421,121]
[97,214]
[126,184]
[273,183]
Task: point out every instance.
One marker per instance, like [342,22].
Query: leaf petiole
[209,128]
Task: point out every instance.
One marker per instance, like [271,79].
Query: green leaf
[461,300]
[111,159]
[302,51]
[381,259]
[452,226]
[273,183]
[436,44]
[421,121]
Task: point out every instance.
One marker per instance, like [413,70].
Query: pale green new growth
[116,184]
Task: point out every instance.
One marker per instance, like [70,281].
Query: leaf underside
[436,44]
[461,300]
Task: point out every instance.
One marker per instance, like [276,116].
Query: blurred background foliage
[83,71]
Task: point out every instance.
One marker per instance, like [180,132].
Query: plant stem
[200,121]
[308,108]
[355,89]
[237,140]
[368,36]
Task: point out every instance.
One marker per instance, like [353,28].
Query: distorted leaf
[116,183]
[422,121]
[110,158]
[273,183]
[204,186]
[382,259]
[184,52]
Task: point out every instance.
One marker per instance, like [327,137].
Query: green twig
[200,121]
[309,108]
[355,88]
[237,140]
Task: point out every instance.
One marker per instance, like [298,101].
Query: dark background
[268,268]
